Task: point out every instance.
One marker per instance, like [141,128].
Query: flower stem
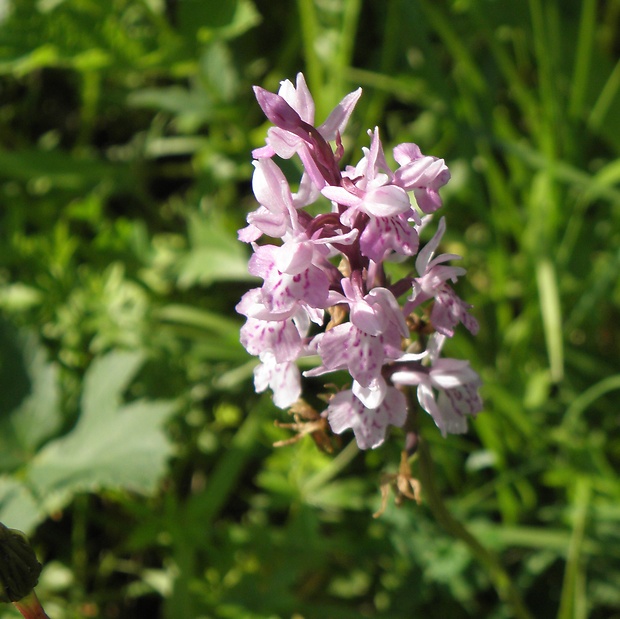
[502,582]
[339,463]
[30,607]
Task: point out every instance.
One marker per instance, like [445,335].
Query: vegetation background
[133,449]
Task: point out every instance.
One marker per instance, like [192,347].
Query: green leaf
[14,376]
[105,382]
[18,507]
[124,449]
[112,446]
[39,416]
[29,397]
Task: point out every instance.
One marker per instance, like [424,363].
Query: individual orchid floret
[369,425]
[372,336]
[448,309]
[457,385]
[279,342]
[298,281]
[279,338]
[277,213]
[421,174]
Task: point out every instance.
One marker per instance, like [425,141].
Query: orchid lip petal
[386,201]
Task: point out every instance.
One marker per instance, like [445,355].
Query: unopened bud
[19,568]
[278,111]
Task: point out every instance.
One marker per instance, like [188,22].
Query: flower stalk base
[505,587]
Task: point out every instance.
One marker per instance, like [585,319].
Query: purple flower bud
[277,110]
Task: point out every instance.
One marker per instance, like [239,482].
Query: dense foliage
[133,449]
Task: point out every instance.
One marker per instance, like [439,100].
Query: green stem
[572,598]
[338,464]
[502,582]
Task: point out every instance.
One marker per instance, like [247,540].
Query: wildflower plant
[326,294]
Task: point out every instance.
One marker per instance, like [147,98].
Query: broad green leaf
[39,416]
[29,397]
[112,446]
[18,507]
[104,384]
[126,448]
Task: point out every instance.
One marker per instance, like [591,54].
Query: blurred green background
[133,449]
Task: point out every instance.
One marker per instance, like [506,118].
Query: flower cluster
[330,268]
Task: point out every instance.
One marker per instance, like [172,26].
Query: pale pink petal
[271,187]
[283,379]
[307,193]
[373,395]
[451,373]
[299,97]
[294,256]
[427,199]
[341,196]
[281,339]
[447,419]
[409,377]
[339,117]
[386,201]
[426,253]
[264,152]
[406,153]
[448,310]
[370,319]
[345,347]
[390,305]
[283,143]
[251,233]
[369,425]
[383,234]
[463,400]
[424,172]
[264,221]
[426,398]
